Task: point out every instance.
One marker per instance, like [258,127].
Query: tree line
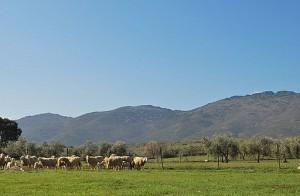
[222,147]
[56,148]
[227,147]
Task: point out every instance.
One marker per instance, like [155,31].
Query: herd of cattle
[73,162]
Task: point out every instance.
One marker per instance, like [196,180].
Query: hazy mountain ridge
[266,113]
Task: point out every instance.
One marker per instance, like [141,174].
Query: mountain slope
[267,113]
[43,127]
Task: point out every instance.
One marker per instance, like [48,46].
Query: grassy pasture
[197,162]
[186,178]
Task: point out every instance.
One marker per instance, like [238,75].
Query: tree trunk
[161,158]
[226,157]
[258,156]
[278,155]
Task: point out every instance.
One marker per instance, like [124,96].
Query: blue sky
[72,57]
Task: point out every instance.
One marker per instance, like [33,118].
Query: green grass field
[186,178]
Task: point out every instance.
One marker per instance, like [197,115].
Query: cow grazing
[139,162]
[28,160]
[93,162]
[48,162]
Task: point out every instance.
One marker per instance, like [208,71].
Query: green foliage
[224,146]
[90,149]
[16,149]
[57,148]
[295,146]
[105,149]
[119,148]
[9,131]
[170,151]
[45,150]
[266,145]
[22,147]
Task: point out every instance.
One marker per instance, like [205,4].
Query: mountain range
[275,114]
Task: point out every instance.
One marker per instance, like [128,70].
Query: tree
[45,150]
[207,143]
[170,151]
[224,146]
[295,143]
[255,148]
[233,149]
[286,149]
[17,149]
[32,149]
[78,151]
[57,148]
[260,146]
[244,148]
[105,149]
[151,149]
[9,131]
[119,148]
[266,146]
[90,149]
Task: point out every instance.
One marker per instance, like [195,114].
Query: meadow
[192,176]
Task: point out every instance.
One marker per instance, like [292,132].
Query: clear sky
[73,57]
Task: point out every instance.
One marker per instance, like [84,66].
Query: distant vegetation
[224,148]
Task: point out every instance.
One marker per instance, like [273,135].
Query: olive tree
[17,149]
[295,147]
[90,149]
[105,149]
[119,148]
[224,146]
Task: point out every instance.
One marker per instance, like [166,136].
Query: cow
[93,162]
[48,162]
[28,160]
[139,162]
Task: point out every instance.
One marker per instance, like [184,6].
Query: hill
[266,113]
